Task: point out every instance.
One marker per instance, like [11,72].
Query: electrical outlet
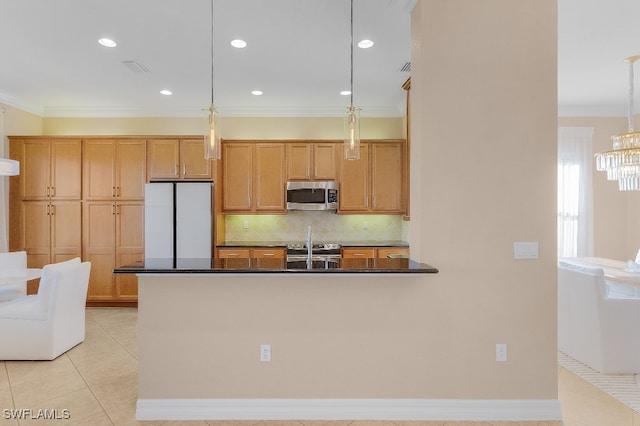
[501,352]
[365,226]
[245,224]
[265,353]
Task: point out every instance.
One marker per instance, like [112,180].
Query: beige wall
[484,131]
[616,214]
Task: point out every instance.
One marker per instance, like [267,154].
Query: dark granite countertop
[270,266]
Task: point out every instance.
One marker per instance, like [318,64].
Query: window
[575,200]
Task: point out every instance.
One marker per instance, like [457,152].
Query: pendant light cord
[351,76]
[212,44]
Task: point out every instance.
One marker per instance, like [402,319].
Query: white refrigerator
[178,220]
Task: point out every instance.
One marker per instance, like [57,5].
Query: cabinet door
[66,169]
[194,165]
[66,230]
[99,161]
[36,233]
[386,177]
[131,174]
[269,178]
[237,180]
[298,161]
[34,169]
[129,246]
[354,183]
[163,159]
[99,248]
[325,161]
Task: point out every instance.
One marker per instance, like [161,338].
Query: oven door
[317,262]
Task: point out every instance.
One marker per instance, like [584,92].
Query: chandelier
[352,119]
[212,137]
[622,163]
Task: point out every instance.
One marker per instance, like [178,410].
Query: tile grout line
[87,384]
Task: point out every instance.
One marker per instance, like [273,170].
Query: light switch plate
[525,250]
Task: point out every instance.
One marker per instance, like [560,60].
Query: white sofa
[44,325]
[598,320]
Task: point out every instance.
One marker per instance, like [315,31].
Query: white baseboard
[350,409]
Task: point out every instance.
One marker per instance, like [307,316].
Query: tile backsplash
[326,227]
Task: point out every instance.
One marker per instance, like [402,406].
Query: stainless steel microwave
[312,195]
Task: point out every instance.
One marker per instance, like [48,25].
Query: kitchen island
[342,340]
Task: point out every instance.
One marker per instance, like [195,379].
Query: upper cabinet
[114,169]
[51,168]
[175,159]
[312,161]
[375,183]
[253,177]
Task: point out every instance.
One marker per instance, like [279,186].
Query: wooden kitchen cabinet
[375,182]
[372,252]
[44,200]
[312,161]
[176,159]
[253,178]
[252,252]
[354,183]
[386,251]
[49,168]
[359,252]
[114,174]
[112,236]
[114,169]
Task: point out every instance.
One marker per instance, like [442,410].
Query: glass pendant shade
[622,163]
[212,137]
[9,167]
[352,134]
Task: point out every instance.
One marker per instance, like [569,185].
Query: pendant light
[352,119]
[212,137]
[7,167]
[622,163]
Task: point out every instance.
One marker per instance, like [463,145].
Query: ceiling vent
[406,67]
[136,67]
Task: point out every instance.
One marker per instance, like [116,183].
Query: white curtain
[4,182]
[575,191]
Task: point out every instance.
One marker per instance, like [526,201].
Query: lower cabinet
[252,252]
[112,237]
[49,233]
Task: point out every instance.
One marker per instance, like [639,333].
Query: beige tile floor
[97,383]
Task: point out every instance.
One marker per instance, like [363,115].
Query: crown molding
[13,101]
[224,111]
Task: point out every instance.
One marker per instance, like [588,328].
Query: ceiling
[298,54]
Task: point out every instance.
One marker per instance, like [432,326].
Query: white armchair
[598,320]
[44,325]
[13,261]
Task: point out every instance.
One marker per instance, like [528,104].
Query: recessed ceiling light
[107,42]
[345,92]
[256,92]
[239,44]
[365,44]
[166,92]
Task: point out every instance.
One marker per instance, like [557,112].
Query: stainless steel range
[323,255]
